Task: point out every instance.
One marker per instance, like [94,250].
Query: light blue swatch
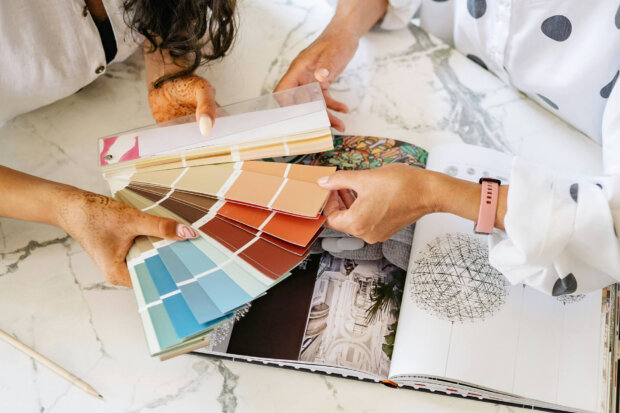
[199,302]
[223,290]
[164,331]
[183,321]
[250,284]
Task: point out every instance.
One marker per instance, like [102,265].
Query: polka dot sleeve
[562,231]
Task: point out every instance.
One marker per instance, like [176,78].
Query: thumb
[341,180]
[146,224]
[328,67]
[205,107]
[326,71]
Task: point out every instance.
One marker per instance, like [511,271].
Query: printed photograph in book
[353,314]
[339,313]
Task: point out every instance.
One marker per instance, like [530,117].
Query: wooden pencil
[71,378]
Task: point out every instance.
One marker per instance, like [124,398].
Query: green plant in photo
[386,298]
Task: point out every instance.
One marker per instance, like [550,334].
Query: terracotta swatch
[262,255]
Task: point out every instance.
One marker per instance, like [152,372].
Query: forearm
[357,16]
[462,198]
[30,198]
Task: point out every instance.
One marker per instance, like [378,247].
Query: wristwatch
[488,205]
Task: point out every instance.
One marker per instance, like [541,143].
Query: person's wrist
[344,27]
[64,203]
[457,196]
[358,20]
[338,35]
[434,189]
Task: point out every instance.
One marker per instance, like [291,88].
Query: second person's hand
[384,200]
[107,228]
[323,61]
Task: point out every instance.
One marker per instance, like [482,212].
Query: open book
[446,322]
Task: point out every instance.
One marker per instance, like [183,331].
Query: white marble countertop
[401,84]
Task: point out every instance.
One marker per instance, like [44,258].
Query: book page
[461,320]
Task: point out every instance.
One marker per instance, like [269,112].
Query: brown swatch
[262,255]
[188,212]
[295,249]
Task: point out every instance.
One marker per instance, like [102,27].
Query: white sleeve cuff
[560,235]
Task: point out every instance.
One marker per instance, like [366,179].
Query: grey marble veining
[403,84]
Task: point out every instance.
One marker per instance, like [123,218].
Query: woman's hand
[106,229]
[386,199]
[184,96]
[323,61]
[375,204]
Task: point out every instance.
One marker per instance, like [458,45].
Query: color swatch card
[256,220]
[167,323]
[290,122]
[273,186]
[270,255]
[194,207]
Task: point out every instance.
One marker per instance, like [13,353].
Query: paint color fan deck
[290,122]
[256,220]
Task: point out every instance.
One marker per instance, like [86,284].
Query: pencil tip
[100,396]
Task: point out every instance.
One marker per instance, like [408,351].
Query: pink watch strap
[488,206]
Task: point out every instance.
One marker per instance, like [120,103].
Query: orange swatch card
[286,188]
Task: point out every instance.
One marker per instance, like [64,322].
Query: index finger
[205,107]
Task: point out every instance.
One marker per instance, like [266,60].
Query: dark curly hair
[179,26]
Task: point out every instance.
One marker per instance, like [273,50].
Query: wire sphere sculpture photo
[454,281]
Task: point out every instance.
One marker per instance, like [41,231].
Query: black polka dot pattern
[574,192]
[564,286]
[477,60]
[557,28]
[547,101]
[477,8]
[599,185]
[440,1]
[618,18]
[606,91]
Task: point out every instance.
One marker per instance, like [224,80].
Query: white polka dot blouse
[561,231]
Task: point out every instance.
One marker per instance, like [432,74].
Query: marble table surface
[402,84]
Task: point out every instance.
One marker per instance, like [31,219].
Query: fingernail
[205,125]
[321,74]
[185,232]
[323,180]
